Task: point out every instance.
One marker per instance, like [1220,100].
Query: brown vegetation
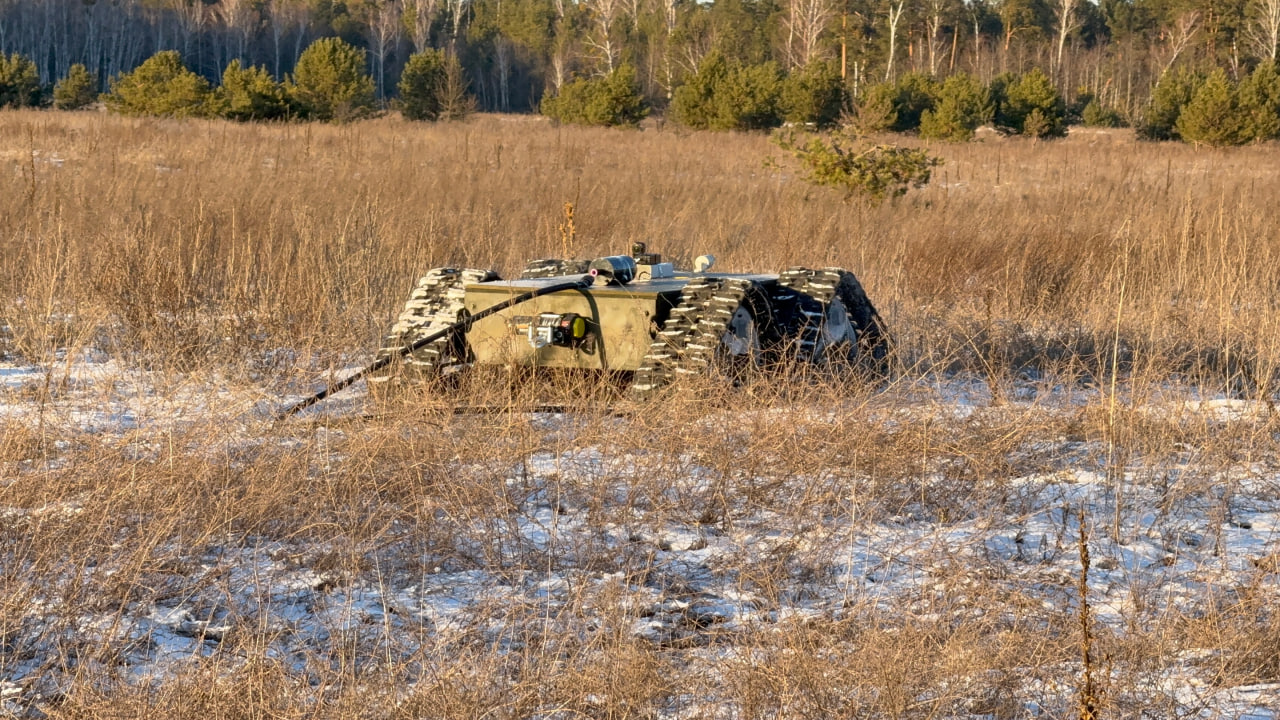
[1078,284]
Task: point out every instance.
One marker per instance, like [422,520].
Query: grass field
[1085,330]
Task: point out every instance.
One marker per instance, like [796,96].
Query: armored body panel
[620,322]
[632,314]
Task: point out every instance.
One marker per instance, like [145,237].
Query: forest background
[512,53]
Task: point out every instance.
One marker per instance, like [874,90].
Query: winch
[558,329]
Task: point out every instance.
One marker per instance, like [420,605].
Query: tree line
[610,61]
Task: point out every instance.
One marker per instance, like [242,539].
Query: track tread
[688,343]
[436,301]
[813,292]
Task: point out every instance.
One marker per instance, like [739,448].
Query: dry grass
[1067,287]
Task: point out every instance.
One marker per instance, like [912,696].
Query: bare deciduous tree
[419,16]
[457,12]
[1067,21]
[937,12]
[806,20]
[560,56]
[285,17]
[384,35]
[240,18]
[895,16]
[1179,36]
[1263,30]
[603,14]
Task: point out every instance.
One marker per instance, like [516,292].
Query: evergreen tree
[77,90]
[160,86]
[963,104]
[915,93]
[999,90]
[694,101]
[250,94]
[725,96]
[433,87]
[1095,114]
[1260,102]
[1032,106]
[877,110]
[610,100]
[330,82]
[749,98]
[813,94]
[19,82]
[1214,116]
[421,84]
[1171,95]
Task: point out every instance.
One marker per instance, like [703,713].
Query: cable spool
[616,270]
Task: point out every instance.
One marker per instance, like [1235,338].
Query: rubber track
[687,343]
[435,302]
[809,292]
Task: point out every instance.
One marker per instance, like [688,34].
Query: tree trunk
[895,14]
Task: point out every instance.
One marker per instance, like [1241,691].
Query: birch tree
[457,12]
[1178,38]
[384,35]
[420,15]
[806,21]
[286,17]
[1263,29]
[1067,21]
[239,17]
[937,13]
[895,16]
[603,14]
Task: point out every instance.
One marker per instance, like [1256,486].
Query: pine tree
[694,101]
[1095,114]
[876,111]
[1033,106]
[1260,102]
[77,90]
[250,94]
[160,86]
[420,85]
[1171,94]
[813,94]
[610,100]
[963,105]
[1213,117]
[330,82]
[729,96]
[748,99]
[915,93]
[19,82]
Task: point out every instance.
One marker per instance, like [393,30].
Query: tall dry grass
[1073,282]
[210,242]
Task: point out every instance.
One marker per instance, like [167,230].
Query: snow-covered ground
[575,551]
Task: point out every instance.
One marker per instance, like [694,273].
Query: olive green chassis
[623,320]
[657,329]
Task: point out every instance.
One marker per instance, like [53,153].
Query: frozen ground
[557,563]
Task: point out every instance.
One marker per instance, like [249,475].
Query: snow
[1174,552]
